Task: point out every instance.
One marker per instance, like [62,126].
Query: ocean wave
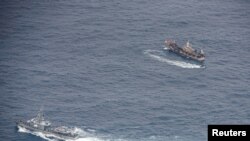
[158,55]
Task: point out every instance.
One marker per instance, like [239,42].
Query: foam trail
[181,64]
[84,136]
[88,139]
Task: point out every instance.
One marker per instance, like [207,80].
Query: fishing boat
[186,51]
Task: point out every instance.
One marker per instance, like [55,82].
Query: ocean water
[99,67]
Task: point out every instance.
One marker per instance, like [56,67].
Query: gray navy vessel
[186,51]
[39,124]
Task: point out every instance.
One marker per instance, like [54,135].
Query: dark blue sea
[98,66]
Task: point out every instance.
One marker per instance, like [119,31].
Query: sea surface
[98,66]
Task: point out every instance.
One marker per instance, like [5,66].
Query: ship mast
[40,116]
[188,44]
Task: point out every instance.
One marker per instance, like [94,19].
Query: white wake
[155,54]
